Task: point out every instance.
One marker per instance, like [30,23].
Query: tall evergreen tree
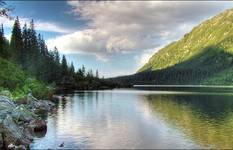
[16,43]
[64,66]
[83,70]
[97,74]
[33,50]
[56,55]
[26,48]
[72,70]
[56,67]
[3,44]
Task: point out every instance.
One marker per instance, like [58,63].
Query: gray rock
[17,121]
[20,113]
[42,106]
[1,141]
[7,102]
[20,147]
[30,98]
[11,146]
[13,133]
[14,147]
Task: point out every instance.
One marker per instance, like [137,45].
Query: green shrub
[13,78]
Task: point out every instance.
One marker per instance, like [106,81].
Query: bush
[13,78]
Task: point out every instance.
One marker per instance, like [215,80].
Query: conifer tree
[97,74]
[56,56]
[25,53]
[83,70]
[72,70]
[16,43]
[3,44]
[64,66]
[33,50]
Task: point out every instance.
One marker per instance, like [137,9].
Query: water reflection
[139,119]
[207,119]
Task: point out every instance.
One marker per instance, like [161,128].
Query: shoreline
[21,120]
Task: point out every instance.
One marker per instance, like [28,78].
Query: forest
[27,52]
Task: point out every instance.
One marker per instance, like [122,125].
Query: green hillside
[206,52]
[12,78]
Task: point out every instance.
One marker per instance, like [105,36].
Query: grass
[13,79]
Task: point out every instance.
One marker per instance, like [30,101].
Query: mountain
[203,56]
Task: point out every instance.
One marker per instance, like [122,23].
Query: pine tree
[72,70]
[89,74]
[26,47]
[56,55]
[34,51]
[83,70]
[97,74]
[64,66]
[3,44]
[56,66]
[16,43]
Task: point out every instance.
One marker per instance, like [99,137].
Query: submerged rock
[38,125]
[62,144]
[40,134]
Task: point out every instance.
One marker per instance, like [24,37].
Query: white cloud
[116,27]
[39,25]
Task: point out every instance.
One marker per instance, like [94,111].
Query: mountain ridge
[208,33]
[204,56]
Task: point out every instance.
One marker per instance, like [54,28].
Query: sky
[115,37]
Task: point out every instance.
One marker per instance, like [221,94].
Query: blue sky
[116,38]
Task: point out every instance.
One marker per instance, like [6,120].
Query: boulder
[1,141]
[11,146]
[37,125]
[22,100]
[40,134]
[4,111]
[14,147]
[19,123]
[41,106]
[7,102]
[20,113]
[30,98]
[13,133]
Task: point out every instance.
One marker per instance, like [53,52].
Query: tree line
[29,50]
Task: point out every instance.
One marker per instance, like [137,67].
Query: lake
[128,118]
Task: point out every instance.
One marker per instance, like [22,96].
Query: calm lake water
[139,119]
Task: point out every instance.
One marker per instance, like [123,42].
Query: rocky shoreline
[20,120]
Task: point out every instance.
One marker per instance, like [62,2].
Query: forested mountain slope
[216,32]
[203,56]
